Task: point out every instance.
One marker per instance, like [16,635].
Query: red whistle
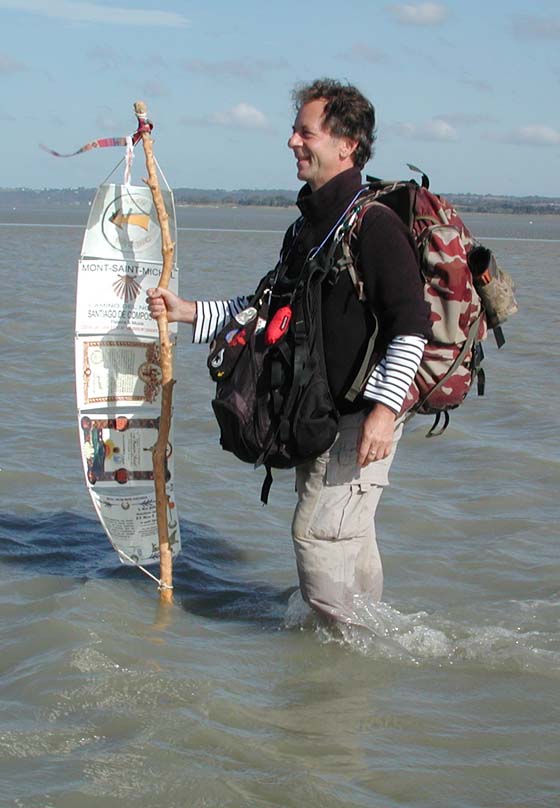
[240,338]
[278,326]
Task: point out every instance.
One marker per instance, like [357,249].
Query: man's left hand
[375,440]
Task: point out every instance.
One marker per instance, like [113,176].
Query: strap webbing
[365,368]
[467,346]
[265,490]
[499,336]
[433,431]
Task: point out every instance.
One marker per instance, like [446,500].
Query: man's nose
[294,141]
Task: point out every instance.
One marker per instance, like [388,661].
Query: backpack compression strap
[467,346]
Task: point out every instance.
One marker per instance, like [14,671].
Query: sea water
[233,698]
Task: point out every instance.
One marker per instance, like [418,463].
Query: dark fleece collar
[331,198]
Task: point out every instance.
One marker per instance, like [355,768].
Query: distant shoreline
[25,198]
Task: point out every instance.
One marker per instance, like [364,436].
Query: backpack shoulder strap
[342,254]
[400,196]
[294,232]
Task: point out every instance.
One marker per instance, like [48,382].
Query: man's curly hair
[348,113]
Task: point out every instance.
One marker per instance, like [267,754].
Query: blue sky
[468,91]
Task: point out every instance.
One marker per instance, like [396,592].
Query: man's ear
[347,148]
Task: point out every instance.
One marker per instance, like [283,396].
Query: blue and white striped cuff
[391,378]
[212,315]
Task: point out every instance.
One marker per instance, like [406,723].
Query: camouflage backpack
[466,290]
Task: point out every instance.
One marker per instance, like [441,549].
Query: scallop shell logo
[127,288]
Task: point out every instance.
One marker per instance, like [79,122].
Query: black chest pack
[273,404]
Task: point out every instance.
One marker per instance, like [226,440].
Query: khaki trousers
[333,529]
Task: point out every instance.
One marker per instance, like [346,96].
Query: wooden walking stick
[159,450]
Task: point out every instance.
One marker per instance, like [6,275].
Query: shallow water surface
[233,697]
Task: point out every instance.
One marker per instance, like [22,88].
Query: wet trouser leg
[333,527]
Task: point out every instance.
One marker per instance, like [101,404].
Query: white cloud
[83,11]
[105,57]
[534,135]
[419,13]
[530,27]
[466,118]
[9,65]
[435,129]
[154,88]
[241,116]
[362,52]
[481,85]
[233,68]
[56,120]
[105,120]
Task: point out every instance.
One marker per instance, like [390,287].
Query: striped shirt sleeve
[391,378]
[212,315]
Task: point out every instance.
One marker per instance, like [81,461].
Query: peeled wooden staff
[159,451]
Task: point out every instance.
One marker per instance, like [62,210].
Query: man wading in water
[333,527]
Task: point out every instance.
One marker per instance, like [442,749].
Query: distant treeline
[274,198]
[487,203]
[64,197]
